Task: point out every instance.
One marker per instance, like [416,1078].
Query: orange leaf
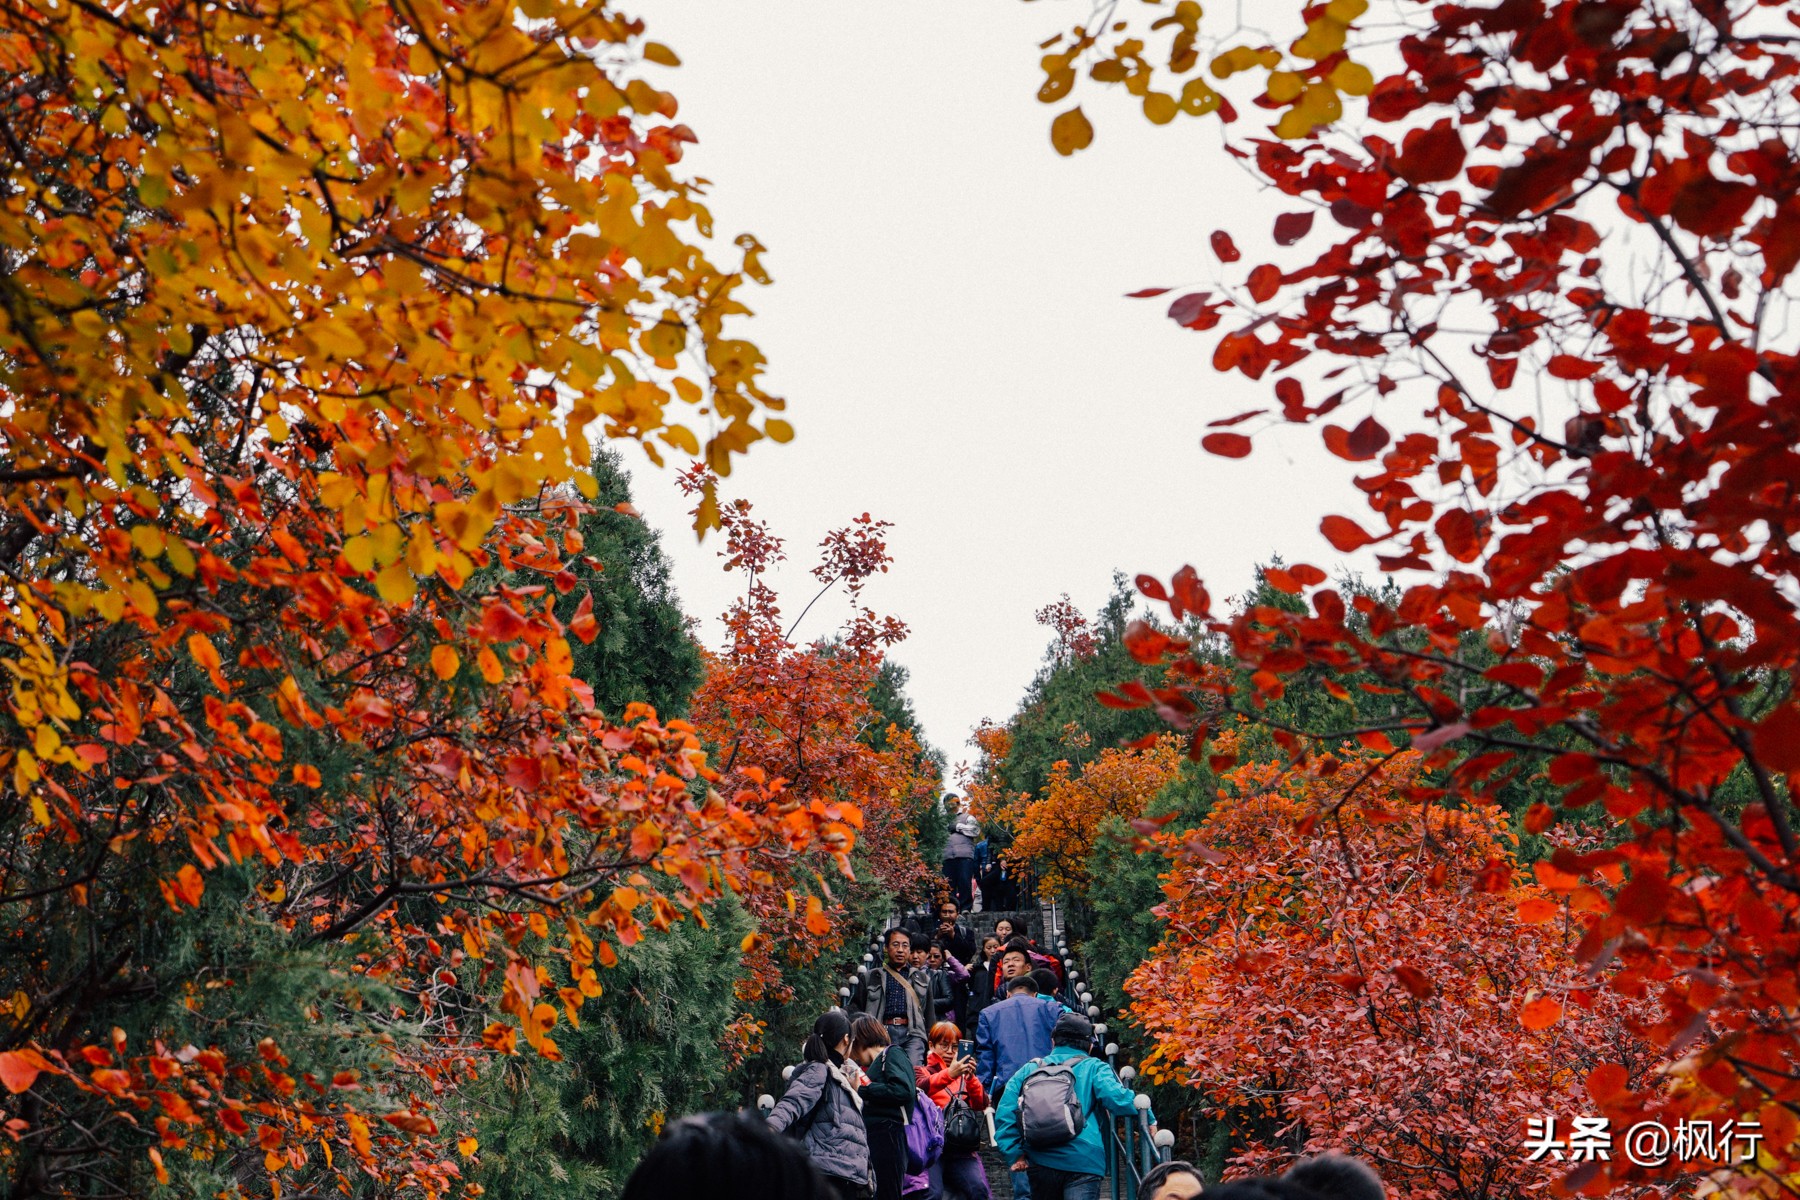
[1537,910]
[582,624]
[19,1069]
[1541,1013]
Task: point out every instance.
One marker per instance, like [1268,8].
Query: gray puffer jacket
[836,1141]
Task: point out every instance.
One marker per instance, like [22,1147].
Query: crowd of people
[893,1096]
[730,1154]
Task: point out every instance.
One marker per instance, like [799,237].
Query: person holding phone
[949,1075]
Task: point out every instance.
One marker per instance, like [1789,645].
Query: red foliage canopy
[1556,268]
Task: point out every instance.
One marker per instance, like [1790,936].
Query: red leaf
[1781,242]
[1130,695]
[500,623]
[1367,439]
[1190,597]
[1539,180]
[1226,445]
[1567,366]
[1226,422]
[1431,155]
[1712,207]
[1606,1082]
[1151,587]
[1350,214]
[1146,293]
[1460,534]
[412,1122]
[1264,282]
[1414,981]
[1349,982]
[1645,899]
[582,624]
[1777,739]
[1343,533]
[1291,227]
[1224,247]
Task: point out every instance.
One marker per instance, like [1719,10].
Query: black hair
[1021,983]
[1016,946]
[1327,1177]
[887,939]
[827,1032]
[1045,979]
[1161,1172]
[724,1154]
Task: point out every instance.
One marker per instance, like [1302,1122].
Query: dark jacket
[836,1140]
[962,940]
[980,994]
[921,1012]
[889,1095]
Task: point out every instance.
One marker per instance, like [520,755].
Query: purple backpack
[924,1144]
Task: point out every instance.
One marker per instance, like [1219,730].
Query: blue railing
[1134,1146]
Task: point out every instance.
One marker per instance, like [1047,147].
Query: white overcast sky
[948,324]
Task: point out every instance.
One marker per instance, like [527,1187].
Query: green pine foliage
[888,697]
[644,651]
[1063,695]
[648,1050]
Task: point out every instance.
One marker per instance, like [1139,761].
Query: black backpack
[964,1130]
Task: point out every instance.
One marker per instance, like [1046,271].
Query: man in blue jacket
[1011,1033]
[1074,1169]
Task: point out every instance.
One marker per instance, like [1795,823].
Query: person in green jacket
[1074,1169]
[888,1100]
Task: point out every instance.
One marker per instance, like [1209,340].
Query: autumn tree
[1056,831]
[310,315]
[643,649]
[1540,293]
[802,716]
[1379,981]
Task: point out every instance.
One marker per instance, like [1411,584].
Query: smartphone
[966,1048]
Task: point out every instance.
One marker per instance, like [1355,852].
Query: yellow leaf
[444,661]
[1351,78]
[396,584]
[491,669]
[778,430]
[359,552]
[467,1147]
[148,539]
[660,54]
[1071,132]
